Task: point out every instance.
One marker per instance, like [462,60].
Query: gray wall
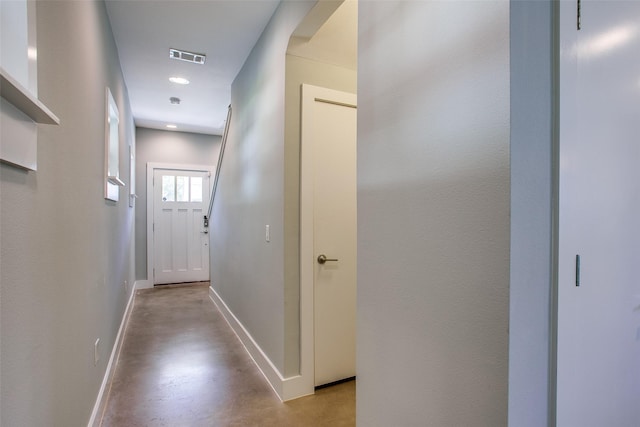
[159,146]
[433,213]
[246,271]
[532,112]
[65,252]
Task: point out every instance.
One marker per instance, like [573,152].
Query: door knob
[323,258]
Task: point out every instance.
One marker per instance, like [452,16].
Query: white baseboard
[98,407]
[295,387]
[286,388]
[144,284]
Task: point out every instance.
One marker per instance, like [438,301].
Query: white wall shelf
[22,99]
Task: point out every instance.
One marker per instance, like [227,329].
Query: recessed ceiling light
[172,126]
[179,80]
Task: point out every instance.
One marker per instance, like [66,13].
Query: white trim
[310,94]
[151,166]
[285,388]
[307,354]
[295,387]
[143,284]
[115,354]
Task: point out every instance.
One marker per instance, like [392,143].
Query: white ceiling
[224,30]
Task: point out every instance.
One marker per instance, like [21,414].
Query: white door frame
[310,94]
[151,167]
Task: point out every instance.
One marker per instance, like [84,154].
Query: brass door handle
[323,258]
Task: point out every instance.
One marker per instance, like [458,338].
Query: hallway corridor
[181,365]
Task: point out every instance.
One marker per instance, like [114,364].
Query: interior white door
[180,239]
[598,354]
[334,235]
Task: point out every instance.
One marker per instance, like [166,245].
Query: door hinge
[578,15]
[154,273]
[153,227]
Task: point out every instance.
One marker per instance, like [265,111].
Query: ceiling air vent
[196,58]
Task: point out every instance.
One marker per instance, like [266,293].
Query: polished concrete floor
[181,365]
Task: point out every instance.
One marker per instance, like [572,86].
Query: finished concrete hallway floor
[182,365]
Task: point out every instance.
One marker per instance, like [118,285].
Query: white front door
[333,150]
[180,239]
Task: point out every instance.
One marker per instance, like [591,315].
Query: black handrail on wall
[225,134]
